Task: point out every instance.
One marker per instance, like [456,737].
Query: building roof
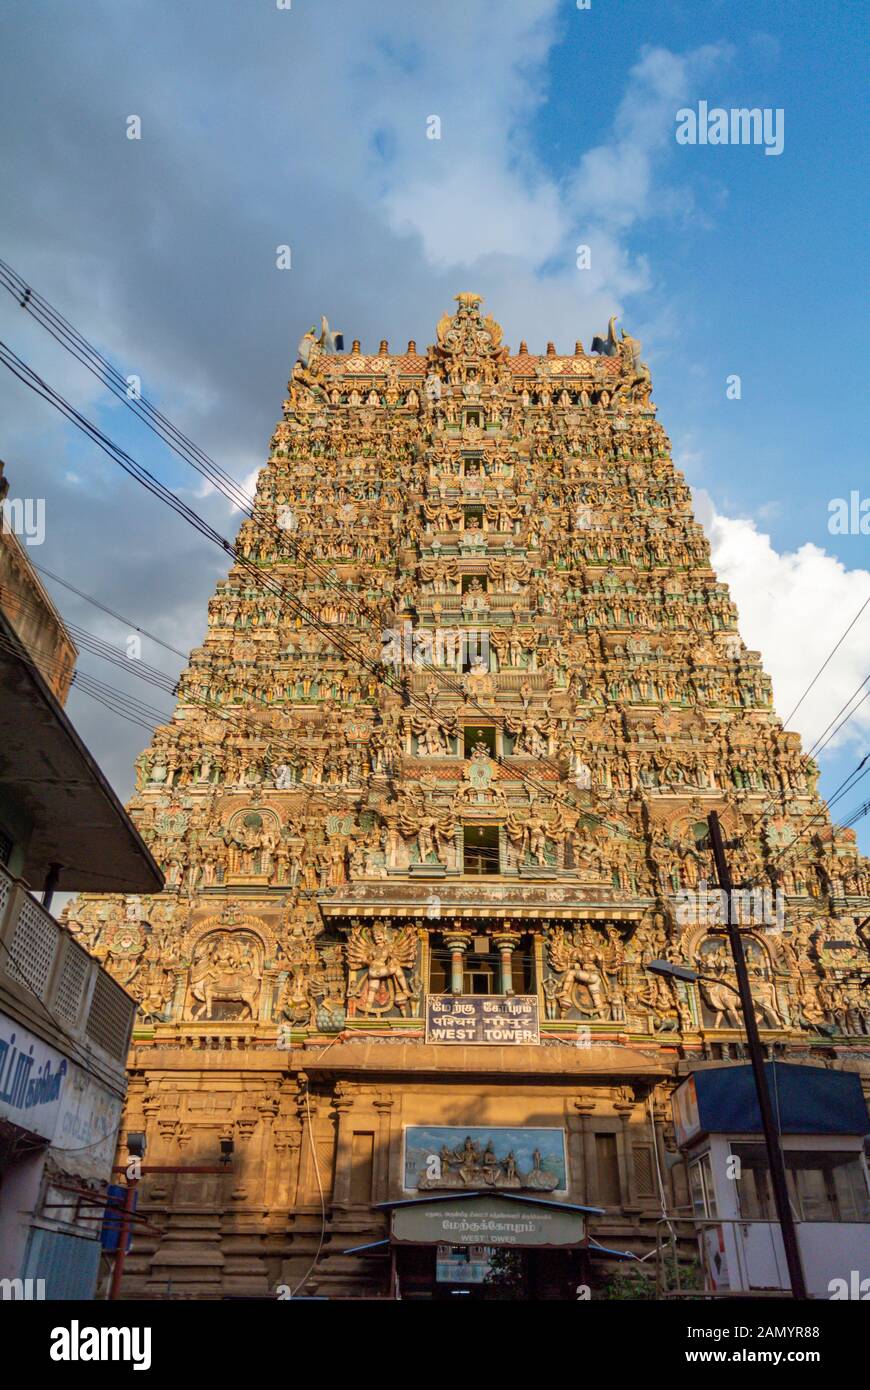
[366,364]
[32,613]
[78,821]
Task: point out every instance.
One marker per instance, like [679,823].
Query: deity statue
[432,388]
[469,605]
[385,958]
[224,971]
[578,983]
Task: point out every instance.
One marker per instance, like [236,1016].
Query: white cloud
[477,199]
[163,252]
[793,607]
[616,181]
[476,210]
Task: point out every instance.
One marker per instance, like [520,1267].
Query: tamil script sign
[485,1220]
[87,1125]
[44,1092]
[32,1077]
[474,1018]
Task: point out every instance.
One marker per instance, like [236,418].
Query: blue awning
[805,1100]
[372,1245]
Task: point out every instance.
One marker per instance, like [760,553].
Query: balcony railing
[41,961]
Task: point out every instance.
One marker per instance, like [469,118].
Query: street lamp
[676,972]
[686,973]
[136,1145]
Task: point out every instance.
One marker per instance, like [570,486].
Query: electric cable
[89,598]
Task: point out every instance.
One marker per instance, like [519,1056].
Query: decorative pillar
[383,1105]
[661,1121]
[457,942]
[176,1008]
[585,1107]
[268,993]
[306,1109]
[286,1140]
[342,1104]
[506,943]
[624,1106]
[290,1140]
[395,1175]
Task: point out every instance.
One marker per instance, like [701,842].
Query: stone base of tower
[323,1134]
[270,1173]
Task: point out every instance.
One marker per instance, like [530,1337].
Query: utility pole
[123,1237]
[771,1134]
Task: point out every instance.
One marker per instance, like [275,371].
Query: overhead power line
[128,622]
[88,641]
[828,659]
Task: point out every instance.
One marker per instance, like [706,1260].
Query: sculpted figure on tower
[471,662]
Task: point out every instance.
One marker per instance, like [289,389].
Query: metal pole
[121,1255]
[771,1136]
[50,885]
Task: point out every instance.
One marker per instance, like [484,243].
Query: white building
[822,1119]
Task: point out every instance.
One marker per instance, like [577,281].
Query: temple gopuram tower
[434,792]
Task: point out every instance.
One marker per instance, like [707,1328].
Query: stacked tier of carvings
[533,498]
[298,970]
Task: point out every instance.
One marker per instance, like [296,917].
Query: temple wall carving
[463,704]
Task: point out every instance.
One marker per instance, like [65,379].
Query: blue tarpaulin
[114,1216]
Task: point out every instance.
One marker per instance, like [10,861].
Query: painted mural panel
[453,1158]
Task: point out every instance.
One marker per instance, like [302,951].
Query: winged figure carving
[383,957]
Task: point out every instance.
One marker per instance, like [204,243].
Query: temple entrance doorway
[489,1273]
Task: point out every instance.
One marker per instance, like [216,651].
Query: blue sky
[307,127]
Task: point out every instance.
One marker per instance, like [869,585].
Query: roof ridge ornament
[628,348]
[468,346]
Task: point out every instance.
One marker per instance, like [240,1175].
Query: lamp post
[771,1136]
[753,1039]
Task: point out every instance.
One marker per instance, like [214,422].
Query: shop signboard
[87,1125]
[687,1119]
[462,1264]
[32,1079]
